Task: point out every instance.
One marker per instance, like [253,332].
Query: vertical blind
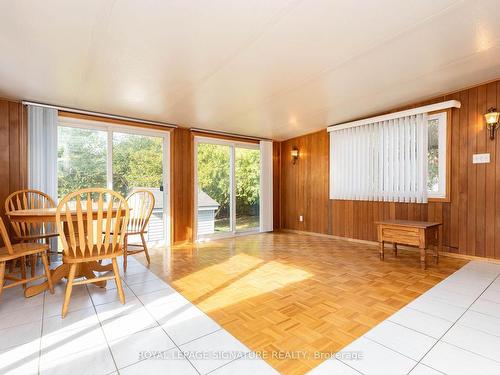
[380,161]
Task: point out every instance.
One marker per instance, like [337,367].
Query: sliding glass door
[213,189]
[138,164]
[82,159]
[121,158]
[247,188]
[227,186]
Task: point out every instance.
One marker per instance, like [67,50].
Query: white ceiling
[269,68]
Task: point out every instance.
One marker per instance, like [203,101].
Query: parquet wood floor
[292,297]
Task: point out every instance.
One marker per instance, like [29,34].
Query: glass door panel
[213,190]
[247,180]
[138,164]
[81,159]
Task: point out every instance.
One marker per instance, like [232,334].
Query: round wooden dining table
[48,215]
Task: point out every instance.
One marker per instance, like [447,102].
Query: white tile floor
[156,331]
[454,329]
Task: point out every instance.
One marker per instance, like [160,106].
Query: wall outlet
[301,218]
[480,158]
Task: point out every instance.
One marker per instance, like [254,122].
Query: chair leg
[118,281]
[125,250]
[145,248]
[2,274]
[47,242]
[45,262]
[69,287]
[33,265]
[23,270]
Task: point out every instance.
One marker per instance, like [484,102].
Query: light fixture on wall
[295,154]
[492,121]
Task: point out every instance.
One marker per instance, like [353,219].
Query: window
[122,158]
[82,159]
[380,161]
[437,155]
[228,187]
[397,157]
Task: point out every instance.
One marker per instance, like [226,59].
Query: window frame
[232,144]
[444,162]
[110,128]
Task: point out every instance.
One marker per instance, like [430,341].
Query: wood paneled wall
[304,185]
[471,219]
[182,185]
[13,146]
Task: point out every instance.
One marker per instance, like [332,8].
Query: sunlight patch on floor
[239,278]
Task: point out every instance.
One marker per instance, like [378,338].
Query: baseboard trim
[374,243]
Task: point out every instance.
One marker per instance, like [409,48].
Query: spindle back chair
[92,224]
[26,199]
[141,203]
[10,252]
[29,199]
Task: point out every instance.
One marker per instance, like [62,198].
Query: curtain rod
[100,114]
[215,132]
[392,116]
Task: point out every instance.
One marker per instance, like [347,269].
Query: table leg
[86,271]
[62,271]
[381,250]
[439,247]
[96,266]
[422,258]
[56,276]
[395,248]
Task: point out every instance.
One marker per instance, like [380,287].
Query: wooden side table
[414,233]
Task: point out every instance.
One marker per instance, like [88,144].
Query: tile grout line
[453,325]
[478,329]
[199,337]
[22,324]
[413,329]
[385,346]
[187,342]
[437,340]
[102,329]
[467,350]
[41,335]
[348,365]
[151,315]
[233,360]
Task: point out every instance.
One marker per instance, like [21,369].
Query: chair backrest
[28,199]
[141,203]
[5,238]
[96,221]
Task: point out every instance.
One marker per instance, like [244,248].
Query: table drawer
[407,236]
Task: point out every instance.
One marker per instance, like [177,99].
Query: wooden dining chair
[20,251]
[141,203]
[94,233]
[30,232]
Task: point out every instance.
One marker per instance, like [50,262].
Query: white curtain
[42,153]
[266,186]
[42,150]
[381,161]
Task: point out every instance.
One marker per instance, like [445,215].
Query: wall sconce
[492,121]
[295,154]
